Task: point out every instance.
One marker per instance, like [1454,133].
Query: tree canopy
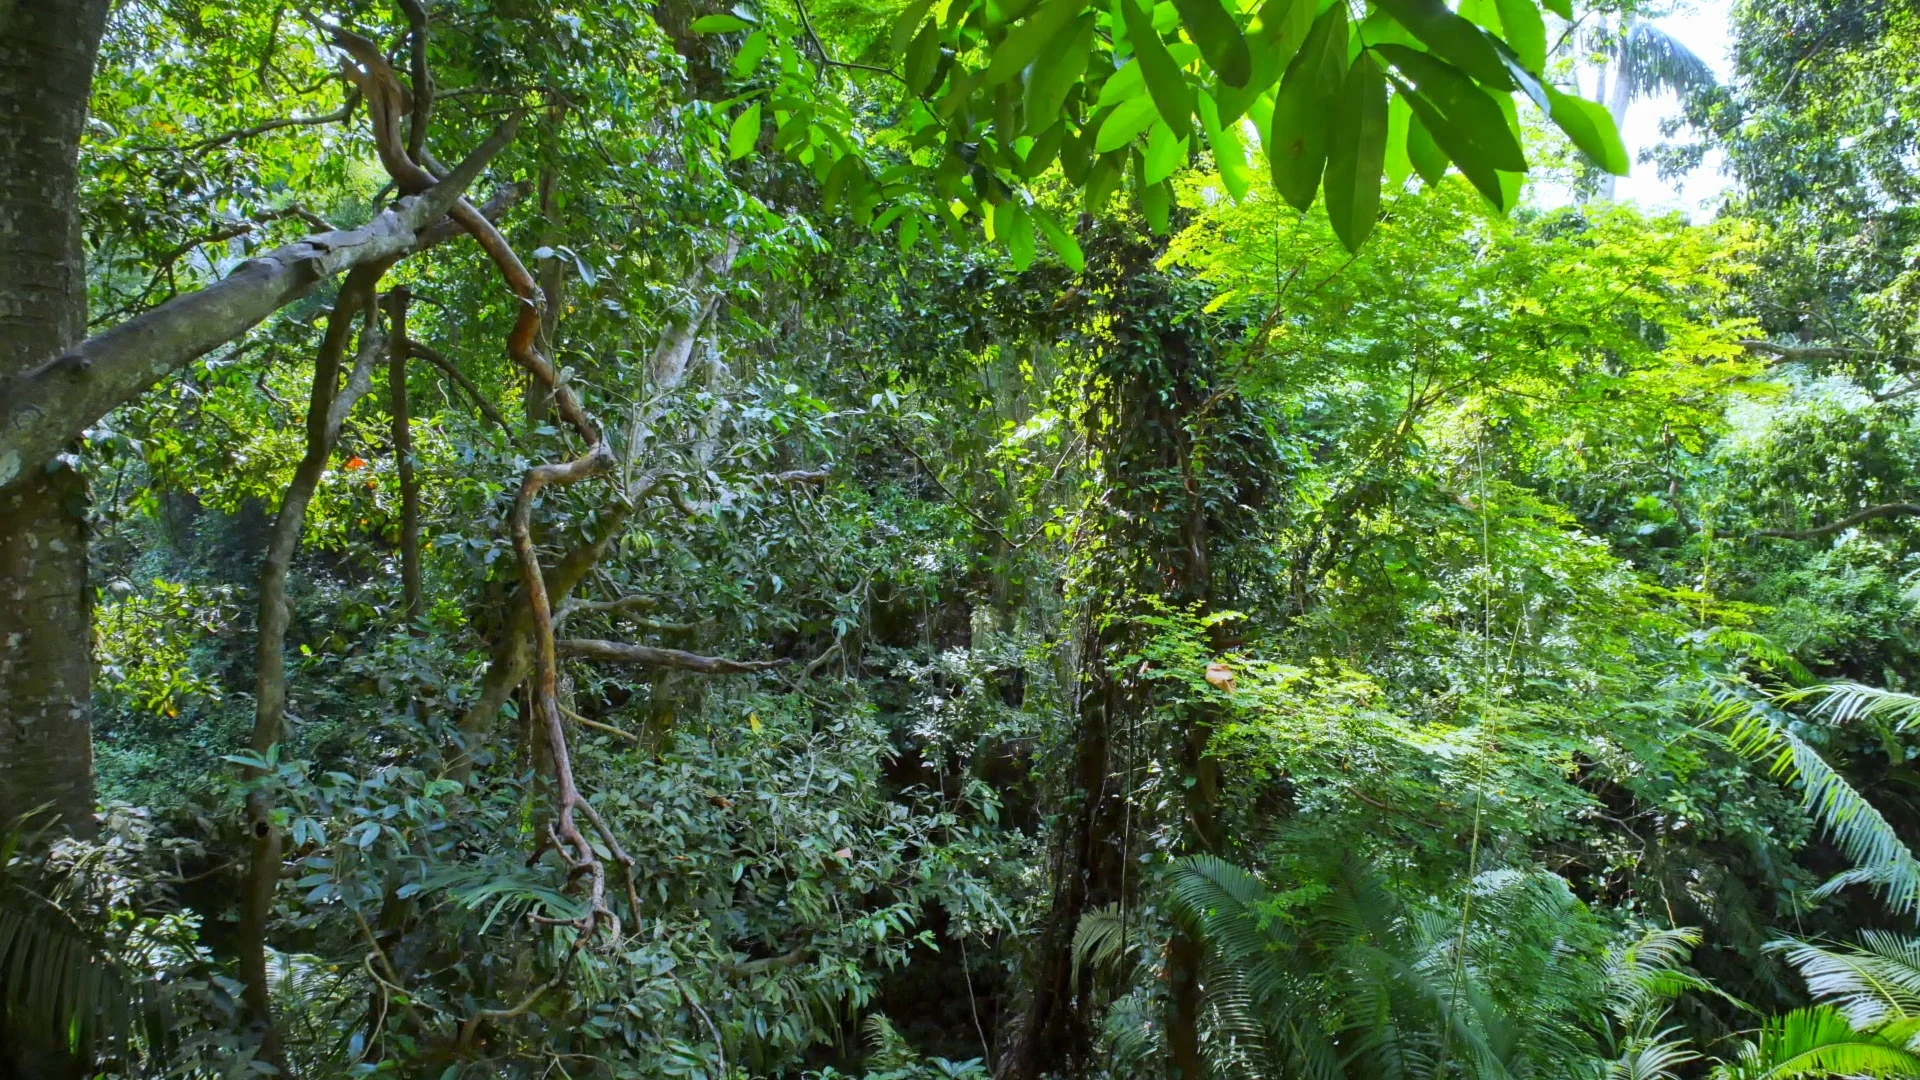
[954,539]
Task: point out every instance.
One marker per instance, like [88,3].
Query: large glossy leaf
[1165,81]
[1451,37]
[1128,119]
[1229,156]
[1358,153]
[1525,31]
[1426,157]
[1025,41]
[1398,165]
[1470,111]
[1457,146]
[1166,152]
[923,58]
[1063,241]
[1272,39]
[907,23]
[1303,109]
[1591,128]
[1055,72]
[1211,28]
[745,132]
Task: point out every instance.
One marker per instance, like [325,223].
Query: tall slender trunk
[411,589]
[46,665]
[326,411]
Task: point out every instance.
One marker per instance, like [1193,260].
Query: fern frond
[1762,733]
[1873,983]
[1100,941]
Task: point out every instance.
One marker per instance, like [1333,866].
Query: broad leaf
[745,132]
[1451,37]
[1591,128]
[1211,28]
[1358,153]
[1303,109]
[1166,83]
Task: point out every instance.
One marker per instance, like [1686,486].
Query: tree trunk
[47,52]
[325,413]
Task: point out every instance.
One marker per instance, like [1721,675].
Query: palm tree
[1643,60]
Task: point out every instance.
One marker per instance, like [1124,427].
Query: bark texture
[47,50]
[47,54]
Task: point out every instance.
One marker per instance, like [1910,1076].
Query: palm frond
[1762,733]
[1873,983]
[1100,941]
[1658,1056]
[58,976]
[1845,702]
[1818,1041]
[1653,61]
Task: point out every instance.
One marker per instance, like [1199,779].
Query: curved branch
[450,370]
[42,409]
[1848,522]
[620,652]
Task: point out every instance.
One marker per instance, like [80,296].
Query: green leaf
[1166,83]
[1055,74]
[1129,119]
[719,24]
[909,232]
[1428,160]
[923,59]
[1562,8]
[1471,113]
[1303,109]
[1456,145]
[1591,128]
[1165,153]
[1211,28]
[1103,179]
[1272,39]
[1358,153]
[1451,37]
[1157,204]
[1024,42]
[1123,84]
[1229,156]
[750,53]
[1044,149]
[909,20]
[1063,241]
[1012,226]
[745,132]
[1398,165]
[1525,31]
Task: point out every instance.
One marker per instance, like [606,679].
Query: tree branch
[47,406]
[620,652]
[1884,510]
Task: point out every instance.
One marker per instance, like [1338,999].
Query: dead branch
[620,652]
[1848,522]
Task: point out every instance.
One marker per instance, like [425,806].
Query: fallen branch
[621,652]
[1848,522]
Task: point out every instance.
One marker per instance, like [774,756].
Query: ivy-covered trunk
[46,70]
